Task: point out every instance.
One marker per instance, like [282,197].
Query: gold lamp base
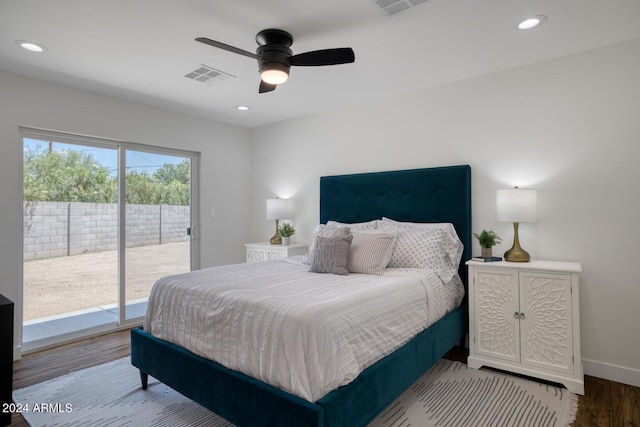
[516,253]
[277,238]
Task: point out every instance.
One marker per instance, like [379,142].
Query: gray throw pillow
[323,231]
[331,254]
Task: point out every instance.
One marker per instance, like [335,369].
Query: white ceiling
[141,49]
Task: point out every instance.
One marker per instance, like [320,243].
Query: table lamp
[516,205]
[277,209]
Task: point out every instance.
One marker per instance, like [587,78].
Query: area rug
[449,394]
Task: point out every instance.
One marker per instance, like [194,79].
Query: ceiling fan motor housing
[274,36]
[274,56]
[273,50]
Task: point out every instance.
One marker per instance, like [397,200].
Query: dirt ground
[66,284]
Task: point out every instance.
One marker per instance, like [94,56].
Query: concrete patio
[65,294]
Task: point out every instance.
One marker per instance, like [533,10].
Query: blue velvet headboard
[441,194]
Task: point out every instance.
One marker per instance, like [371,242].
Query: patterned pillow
[446,226]
[431,248]
[371,251]
[368,225]
[331,254]
[325,231]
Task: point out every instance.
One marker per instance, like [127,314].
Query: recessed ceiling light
[243,107]
[31,46]
[532,22]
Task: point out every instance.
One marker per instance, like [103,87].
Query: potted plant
[487,239]
[286,230]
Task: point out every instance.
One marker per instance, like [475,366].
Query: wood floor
[605,403]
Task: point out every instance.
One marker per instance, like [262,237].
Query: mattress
[306,333]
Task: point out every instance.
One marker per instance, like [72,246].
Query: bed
[437,195]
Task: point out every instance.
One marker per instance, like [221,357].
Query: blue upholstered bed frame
[419,195]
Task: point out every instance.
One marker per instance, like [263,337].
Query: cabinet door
[497,333]
[276,255]
[255,255]
[546,327]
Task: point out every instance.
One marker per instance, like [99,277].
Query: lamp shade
[516,205]
[278,209]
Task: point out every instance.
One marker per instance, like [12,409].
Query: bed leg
[144,378]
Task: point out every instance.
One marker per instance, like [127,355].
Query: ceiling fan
[275,56]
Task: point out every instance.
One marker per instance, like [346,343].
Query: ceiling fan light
[274,76]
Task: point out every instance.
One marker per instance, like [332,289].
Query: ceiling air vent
[391,7]
[208,75]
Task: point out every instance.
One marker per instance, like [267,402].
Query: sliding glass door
[158,222]
[70,268]
[103,221]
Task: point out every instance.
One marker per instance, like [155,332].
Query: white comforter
[303,332]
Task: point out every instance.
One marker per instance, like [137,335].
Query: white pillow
[446,226]
[371,251]
[432,248]
[368,225]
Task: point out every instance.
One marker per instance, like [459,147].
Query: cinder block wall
[54,229]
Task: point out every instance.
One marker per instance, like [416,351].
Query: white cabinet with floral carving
[525,318]
[265,251]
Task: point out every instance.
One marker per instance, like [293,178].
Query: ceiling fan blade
[342,55]
[266,87]
[226,47]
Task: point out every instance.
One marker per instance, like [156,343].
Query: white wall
[569,127]
[224,172]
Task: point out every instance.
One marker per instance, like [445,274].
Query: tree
[141,188]
[170,172]
[67,176]
[74,176]
[174,193]
[174,183]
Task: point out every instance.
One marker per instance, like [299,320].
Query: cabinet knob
[522,315]
[516,315]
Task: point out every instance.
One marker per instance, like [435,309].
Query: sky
[136,160]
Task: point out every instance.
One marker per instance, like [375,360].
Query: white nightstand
[525,318]
[265,251]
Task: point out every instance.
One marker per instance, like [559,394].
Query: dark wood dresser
[6,358]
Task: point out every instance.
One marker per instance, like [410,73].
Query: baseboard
[17,353]
[610,372]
